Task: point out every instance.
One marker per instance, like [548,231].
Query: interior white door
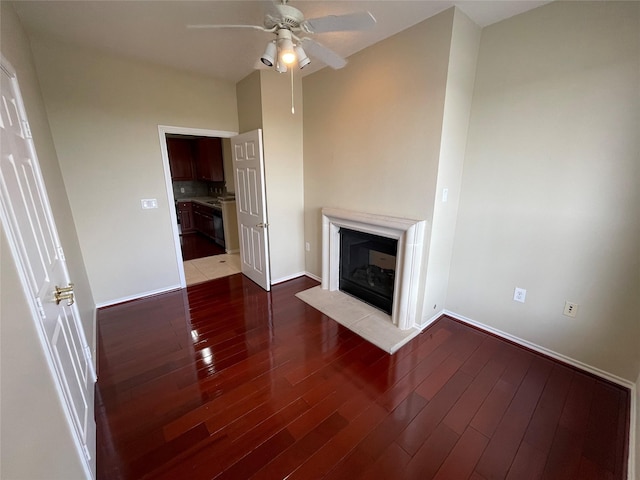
[27,218]
[248,174]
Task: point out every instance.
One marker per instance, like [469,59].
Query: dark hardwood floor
[195,245]
[226,381]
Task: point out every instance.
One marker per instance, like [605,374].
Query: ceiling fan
[292,43]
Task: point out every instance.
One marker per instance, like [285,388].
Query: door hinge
[26,129]
[40,308]
[61,254]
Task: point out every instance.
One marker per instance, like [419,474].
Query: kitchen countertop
[214,202]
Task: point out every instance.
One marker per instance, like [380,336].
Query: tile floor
[207,268]
[370,323]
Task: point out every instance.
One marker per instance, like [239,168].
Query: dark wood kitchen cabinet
[209,163]
[185,214]
[203,219]
[208,221]
[181,160]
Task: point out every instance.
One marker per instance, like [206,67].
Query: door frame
[199,132]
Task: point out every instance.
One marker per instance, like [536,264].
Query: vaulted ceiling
[155,31]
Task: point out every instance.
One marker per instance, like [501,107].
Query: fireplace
[368,267]
[408,235]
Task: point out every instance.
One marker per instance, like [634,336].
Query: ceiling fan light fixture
[288,57]
[285,47]
[303,60]
[288,23]
[280,67]
[269,56]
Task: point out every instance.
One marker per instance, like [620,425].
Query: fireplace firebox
[368,267]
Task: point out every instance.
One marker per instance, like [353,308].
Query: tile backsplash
[190,188]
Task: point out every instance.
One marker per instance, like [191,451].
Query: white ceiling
[155,31]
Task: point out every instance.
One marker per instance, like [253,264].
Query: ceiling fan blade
[254,27]
[339,23]
[323,54]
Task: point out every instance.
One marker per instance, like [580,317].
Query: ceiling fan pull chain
[293,110]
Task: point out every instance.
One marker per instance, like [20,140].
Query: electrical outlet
[519,294]
[307,246]
[570,309]
[181,189]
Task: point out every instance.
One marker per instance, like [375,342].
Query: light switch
[148,203]
[445,194]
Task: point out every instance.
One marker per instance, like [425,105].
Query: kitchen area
[202,180]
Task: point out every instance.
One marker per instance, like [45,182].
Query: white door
[26,217]
[248,174]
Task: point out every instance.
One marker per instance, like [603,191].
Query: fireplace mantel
[410,236]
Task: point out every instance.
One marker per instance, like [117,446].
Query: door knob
[262,225]
[64,293]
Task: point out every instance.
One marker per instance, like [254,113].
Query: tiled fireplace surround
[389,332]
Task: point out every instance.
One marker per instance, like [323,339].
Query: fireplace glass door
[368,267]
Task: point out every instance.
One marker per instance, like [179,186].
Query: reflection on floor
[196,245]
[207,268]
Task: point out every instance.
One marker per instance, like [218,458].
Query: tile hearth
[370,323]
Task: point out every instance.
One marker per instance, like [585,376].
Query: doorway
[199,181]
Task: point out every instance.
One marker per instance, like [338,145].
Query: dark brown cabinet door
[218,228]
[208,221]
[181,158]
[185,211]
[203,219]
[209,164]
[199,219]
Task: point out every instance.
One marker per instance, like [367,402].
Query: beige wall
[550,199]
[465,39]
[104,113]
[372,130]
[264,101]
[282,136]
[249,97]
[35,441]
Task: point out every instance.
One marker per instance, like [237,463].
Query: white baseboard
[425,324]
[287,278]
[545,351]
[631,467]
[314,277]
[115,301]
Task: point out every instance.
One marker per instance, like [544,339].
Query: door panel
[253,185]
[27,218]
[258,260]
[242,203]
[248,167]
[63,348]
